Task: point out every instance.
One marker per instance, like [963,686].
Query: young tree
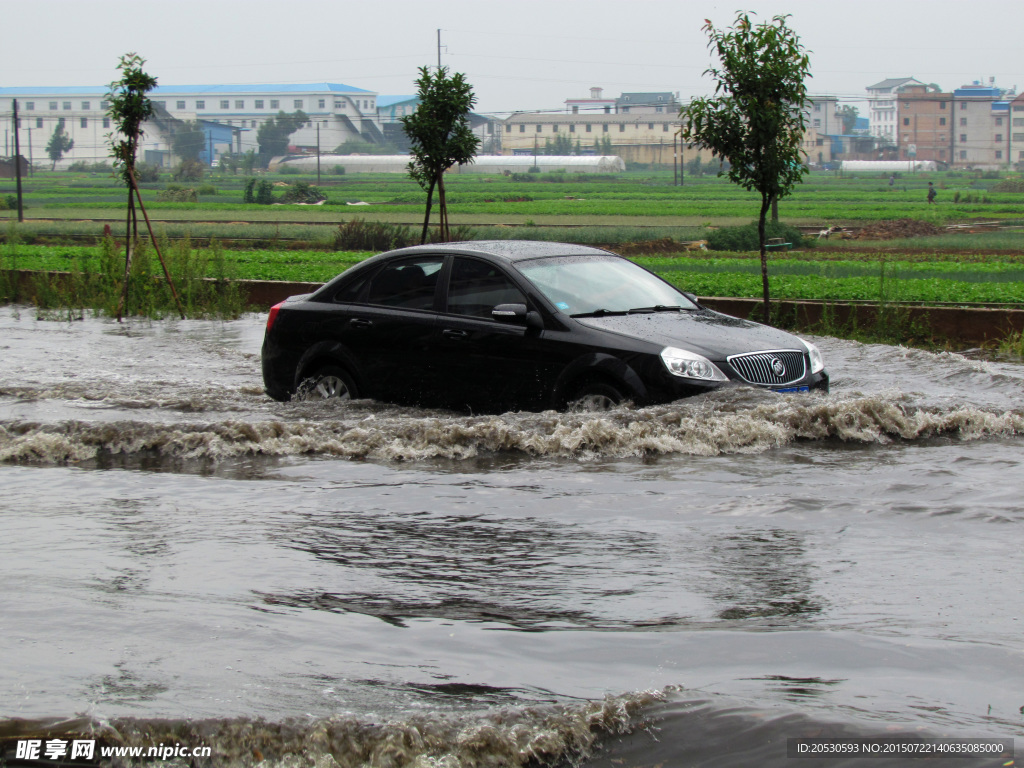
[439,136]
[59,143]
[274,134]
[129,109]
[755,119]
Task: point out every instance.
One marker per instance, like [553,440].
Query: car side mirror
[518,315]
[691,297]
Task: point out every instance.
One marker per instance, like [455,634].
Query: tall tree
[59,143]
[189,140]
[439,136]
[848,114]
[755,119]
[274,134]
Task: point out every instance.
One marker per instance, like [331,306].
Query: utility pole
[439,49]
[17,162]
[318,154]
[675,161]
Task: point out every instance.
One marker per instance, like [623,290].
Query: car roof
[507,250]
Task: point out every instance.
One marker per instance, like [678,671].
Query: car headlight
[690,365]
[817,362]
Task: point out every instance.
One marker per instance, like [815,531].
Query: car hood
[712,334]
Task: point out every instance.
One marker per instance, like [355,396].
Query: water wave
[726,422]
[541,736]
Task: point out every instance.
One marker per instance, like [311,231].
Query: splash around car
[518,325]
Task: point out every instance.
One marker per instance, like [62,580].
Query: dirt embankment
[899,228]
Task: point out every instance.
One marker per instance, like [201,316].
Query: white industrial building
[495,164]
[336,113]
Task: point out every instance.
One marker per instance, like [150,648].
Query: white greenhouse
[888,166]
[481,164]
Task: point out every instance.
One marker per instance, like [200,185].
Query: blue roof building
[336,114]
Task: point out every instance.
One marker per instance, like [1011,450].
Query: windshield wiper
[601,313]
[655,308]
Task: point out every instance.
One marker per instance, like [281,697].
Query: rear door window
[407,284]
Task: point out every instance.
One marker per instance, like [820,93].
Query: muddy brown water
[186,561]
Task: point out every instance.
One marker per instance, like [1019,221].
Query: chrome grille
[772,368]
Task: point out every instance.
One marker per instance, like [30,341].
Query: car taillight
[273,315]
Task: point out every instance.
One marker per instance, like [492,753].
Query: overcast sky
[517,54]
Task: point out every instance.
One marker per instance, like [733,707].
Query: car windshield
[596,284]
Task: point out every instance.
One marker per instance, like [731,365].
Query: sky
[519,55]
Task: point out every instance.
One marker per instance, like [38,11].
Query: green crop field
[643,214]
[632,198]
[805,277]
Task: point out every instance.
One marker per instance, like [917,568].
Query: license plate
[793,389]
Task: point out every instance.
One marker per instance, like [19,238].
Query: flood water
[185,560]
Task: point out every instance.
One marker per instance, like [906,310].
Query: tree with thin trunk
[59,144]
[756,118]
[129,109]
[848,114]
[440,137]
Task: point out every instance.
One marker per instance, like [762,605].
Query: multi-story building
[636,138]
[1015,152]
[336,114]
[643,128]
[823,115]
[882,107]
[983,133]
[924,124]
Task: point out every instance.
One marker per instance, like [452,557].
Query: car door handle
[359,322]
[452,333]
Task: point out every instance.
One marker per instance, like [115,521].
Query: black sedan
[504,325]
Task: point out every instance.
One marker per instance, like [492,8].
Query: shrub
[189,170]
[338,170]
[744,238]
[177,194]
[206,189]
[289,170]
[264,192]
[80,166]
[301,192]
[258,191]
[1009,185]
[8,203]
[361,235]
[144,172]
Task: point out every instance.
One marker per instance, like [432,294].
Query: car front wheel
[595,396]
[328,383]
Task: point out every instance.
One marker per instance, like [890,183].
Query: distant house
[8,168]
[882,107]
[597,103]
[658,103]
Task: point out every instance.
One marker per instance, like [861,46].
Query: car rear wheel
[328,383]
[595,396]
